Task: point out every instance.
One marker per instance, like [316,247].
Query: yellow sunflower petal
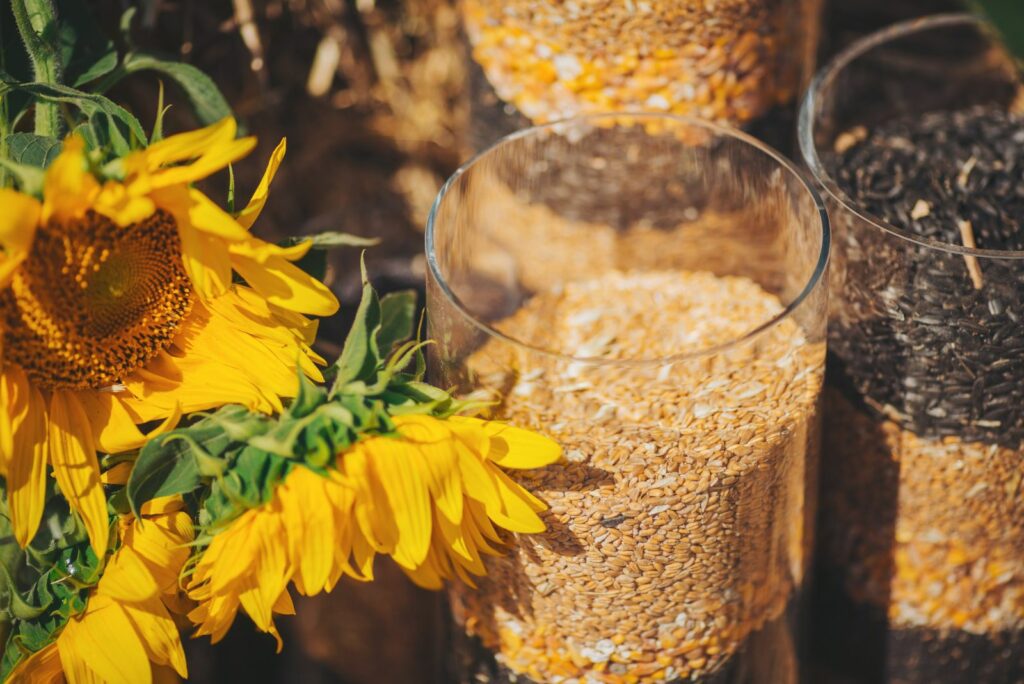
[159,634]
[425,577]
[441,460]
[202,383]
[18,221]
[270,573]
[80,673]
[445,482]
[517,511]
[13,405]
[206,216]
[185,146]
[69,189]
[215,617]
[400,467]
[477,520]
[127,578]
[284,284]
[216,362]
[162,506]
[113,427]
[121,206]
[42,667]
[284,605]
[261,251]
[232,554]
[372,507]
[161,542]
[75,467]
[104,638]
[475,539]
[458,542]
[213,159]
[477,481]
[26,469]
[309,517]
[118,474]
[364,555]
[166,675]
[512,447]
[205,256]
[252,210]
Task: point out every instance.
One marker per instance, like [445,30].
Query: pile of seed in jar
[923,508]
[927,532]
[945,351]
[731,60]
[678,524]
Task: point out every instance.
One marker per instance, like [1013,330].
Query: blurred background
[369,94]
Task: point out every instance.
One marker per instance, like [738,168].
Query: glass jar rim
[806,125]
[814,280]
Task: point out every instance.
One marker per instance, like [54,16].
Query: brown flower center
[94,301]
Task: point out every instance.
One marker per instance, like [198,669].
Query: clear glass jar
[648,290]
[922,525]
[731,61]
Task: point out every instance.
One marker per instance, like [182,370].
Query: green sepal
[397,319]
[360,354]
[105,118]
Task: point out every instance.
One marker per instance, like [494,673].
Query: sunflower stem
[37,24]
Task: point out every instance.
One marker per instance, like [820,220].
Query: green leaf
[360,355]
[208,103]
[315,260]
[96,107]
[32,150]
[397,319]
[103,65]
[308,399]
[86,51]
[118,502]
[168,465]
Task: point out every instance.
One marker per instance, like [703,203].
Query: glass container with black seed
[916,133]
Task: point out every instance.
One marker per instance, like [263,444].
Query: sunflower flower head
[435,495]
[110,622]
[127,297]
[380,464]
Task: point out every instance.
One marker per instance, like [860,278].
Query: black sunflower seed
[911,328]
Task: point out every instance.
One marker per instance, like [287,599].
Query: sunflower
[431,496]
[122,302]
[126,631]
[433,499]
[303,535]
